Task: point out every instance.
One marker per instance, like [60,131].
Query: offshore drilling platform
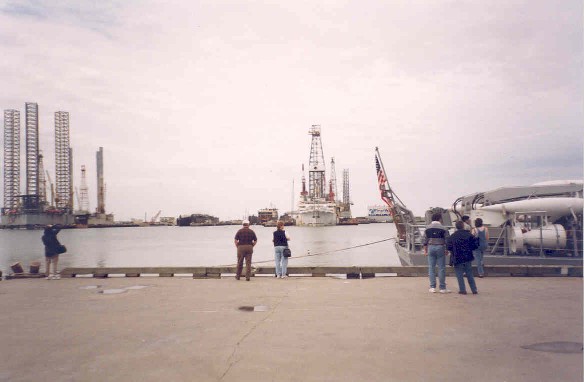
[36,207]
[319,206]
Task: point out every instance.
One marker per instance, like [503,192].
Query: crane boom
[153,220]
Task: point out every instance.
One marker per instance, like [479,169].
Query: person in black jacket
[461,244]
[52,250]
[280,242]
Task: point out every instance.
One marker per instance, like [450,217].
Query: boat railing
[504,242]
[414,234]
[501,242]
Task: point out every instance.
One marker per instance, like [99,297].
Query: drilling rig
[316,208]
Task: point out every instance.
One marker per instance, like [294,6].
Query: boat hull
[316,214]
[311,219]
[409,258]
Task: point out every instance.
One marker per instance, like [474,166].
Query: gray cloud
[185,97]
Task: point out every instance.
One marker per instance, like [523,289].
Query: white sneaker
[432,290]
[284,276]
[57,277]
[49,277]
[444,291]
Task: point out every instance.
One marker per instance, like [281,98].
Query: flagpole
[387,180]
[406,215]
[382,168]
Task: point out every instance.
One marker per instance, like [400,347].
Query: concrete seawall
[354,272]
[349,272]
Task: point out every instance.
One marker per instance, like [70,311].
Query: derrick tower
[71,189]
[304,193]
[100,184]
[11,159]
[84,192]
[42,181]
[316,168]
[32,149]
[346,194]
[333,182]
[62,161]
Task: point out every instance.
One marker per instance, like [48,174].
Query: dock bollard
[17,268]
[35,266]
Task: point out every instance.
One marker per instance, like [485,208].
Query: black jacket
[50,240]
[435,234]
[461,245]
[280,238]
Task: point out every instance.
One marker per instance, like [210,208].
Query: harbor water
[201,246]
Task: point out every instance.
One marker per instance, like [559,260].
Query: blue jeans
[465,268]
[478,255]
[436,256]
[281,261]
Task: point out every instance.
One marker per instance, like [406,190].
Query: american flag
[382,181]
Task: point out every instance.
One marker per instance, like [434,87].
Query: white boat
[316,213]
[544,219]
[539,224]
[379,213]
[266,215]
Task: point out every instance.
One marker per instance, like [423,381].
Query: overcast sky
[205,106]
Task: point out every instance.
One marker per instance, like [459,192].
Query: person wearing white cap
[245,240]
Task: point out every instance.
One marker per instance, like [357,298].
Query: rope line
[321,253]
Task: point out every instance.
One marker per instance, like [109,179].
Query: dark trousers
[244,251]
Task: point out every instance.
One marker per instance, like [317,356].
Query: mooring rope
[320,253]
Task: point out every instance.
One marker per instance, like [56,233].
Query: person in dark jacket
[280,242]
[245,240]
[435,249]
[461,244]
[52,250]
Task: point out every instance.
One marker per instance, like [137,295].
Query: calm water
[199,246]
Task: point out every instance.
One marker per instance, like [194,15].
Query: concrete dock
[294,329]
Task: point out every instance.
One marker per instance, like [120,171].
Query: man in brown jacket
[245,240]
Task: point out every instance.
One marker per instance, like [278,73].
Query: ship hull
[316,213]
[316,220]
[417,257]
[35,221]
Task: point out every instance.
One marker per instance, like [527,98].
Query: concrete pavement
[294,329]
